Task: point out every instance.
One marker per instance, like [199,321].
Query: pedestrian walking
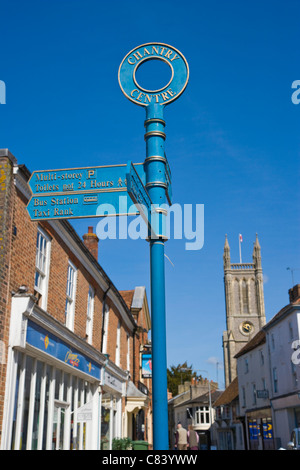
[193,438]
[181,438]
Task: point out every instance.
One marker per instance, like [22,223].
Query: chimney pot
[91,240]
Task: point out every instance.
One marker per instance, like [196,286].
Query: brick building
[70,342]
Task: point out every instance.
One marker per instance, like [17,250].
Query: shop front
[52,398]
[111,408]
[260,430]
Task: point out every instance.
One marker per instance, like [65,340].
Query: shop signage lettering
[41,339]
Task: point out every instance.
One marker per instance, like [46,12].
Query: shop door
[59,423]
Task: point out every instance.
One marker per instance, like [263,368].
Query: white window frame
[90,314]
[202,415]
[128,353]
[70,295]
[105,333]
[118,344]
[42,268]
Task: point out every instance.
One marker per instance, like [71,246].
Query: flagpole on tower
[240,247]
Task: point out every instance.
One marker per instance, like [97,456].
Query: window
[90,315]
[246,366]
[272,342]
[245,297]
[254,393]
[291,331]
[202,415]
[105,329]
[243,397]
[262,358]
[42,262]
[294,374]
[128,352]
[70,296]
[275,380]
[45,405]
[118,344]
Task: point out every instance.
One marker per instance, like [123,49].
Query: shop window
[45,407]
[70,296]
[90,315]
[42,262]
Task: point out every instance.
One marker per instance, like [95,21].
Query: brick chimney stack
[294,293]
[91,242]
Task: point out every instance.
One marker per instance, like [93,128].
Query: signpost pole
[156,186]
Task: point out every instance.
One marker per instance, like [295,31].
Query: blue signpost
[109,190]
[158,186]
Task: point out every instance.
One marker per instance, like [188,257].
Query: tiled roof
[257,340]
[231,392]
[127,296]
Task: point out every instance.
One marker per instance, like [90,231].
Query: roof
[135,300]
[229,394]
[282,313]
[204,398]
[260,337]
[257,340]
[133,391]
[127,296]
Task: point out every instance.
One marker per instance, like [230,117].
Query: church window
[245,297]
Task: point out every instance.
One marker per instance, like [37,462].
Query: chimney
[294,293]
[91,242]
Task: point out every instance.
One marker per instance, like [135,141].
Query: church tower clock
[245,309]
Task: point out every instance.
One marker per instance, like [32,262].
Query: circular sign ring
[149,51]
[145,60]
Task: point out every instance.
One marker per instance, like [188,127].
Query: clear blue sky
[232,137]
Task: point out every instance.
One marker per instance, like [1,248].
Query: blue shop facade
[61,393]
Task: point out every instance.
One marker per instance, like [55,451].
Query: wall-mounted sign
[112,382]
[262,393]
[153,51]
[41,339]
[147,366]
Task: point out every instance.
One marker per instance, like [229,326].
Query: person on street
[193,438]
[181,438]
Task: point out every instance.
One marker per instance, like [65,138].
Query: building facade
[228,428]
[70,344]
[244,301]
[269,377]
[194,405]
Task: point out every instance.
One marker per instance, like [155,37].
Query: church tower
[245,309]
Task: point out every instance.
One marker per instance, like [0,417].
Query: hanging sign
[153,51]
[147,366]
